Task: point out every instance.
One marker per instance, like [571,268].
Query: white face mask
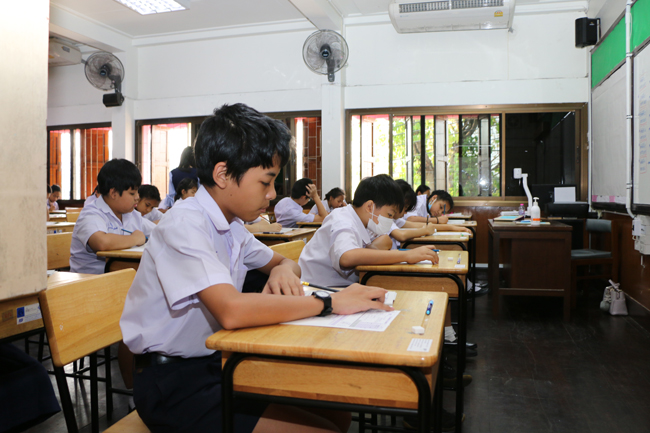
[382,227]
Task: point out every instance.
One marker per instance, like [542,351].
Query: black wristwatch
[327,302]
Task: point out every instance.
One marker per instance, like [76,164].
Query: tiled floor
[534,373]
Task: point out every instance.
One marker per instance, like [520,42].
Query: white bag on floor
[616,300]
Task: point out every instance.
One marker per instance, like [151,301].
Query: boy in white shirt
[55,194]
[109,222]
[341,243]
[288,211]
[190,278]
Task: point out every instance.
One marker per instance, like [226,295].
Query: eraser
[390,298]
[450,258]
[418,330]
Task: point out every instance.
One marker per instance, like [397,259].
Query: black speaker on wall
[587,31]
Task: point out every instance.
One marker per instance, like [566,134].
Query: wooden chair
[594,260]
[72,217]
[290,250]
[270,216]
[58,250]
[81,318]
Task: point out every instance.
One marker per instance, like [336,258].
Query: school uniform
[288,213]
[177,382]
[175,177]
[90,199]
[98,217]
[52,206]
[420,208]
[314,209]
[395,242]
[154,215]
[342,231]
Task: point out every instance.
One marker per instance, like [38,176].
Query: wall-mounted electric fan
[325,52]
[106,72]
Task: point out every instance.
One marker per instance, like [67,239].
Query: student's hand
[312,192]
[460,229]
[430,228]
[139,237]
[442,219]
[383,242]
[357,298]
[421,253]
[283,281]
[275,227]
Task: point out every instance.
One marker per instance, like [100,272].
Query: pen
[271,233]
[329,289]
[444,211]
[125,230]
[427,314]
[458,259]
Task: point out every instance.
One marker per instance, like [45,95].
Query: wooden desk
[448,278]
[10,328]
[294,235]
[121,259]
[453,216]
[338,368]
[59,227]
[537,261]
[309,225]
[58,216]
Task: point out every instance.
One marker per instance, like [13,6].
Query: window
[75,156]
[469,154]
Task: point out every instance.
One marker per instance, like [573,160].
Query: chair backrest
[83,316]
[72,217]
[599,226]
[290,250]
[58,250]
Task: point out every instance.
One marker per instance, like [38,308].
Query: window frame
[581,130]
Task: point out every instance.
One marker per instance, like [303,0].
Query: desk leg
[437,400]
[227,392]
[493,271]
[462,339]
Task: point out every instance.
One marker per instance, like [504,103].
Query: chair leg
[109,381]
[574,283]
[41,345]
[94,394]
[66,401]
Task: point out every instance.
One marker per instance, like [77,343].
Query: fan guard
[325,52]
[104,71]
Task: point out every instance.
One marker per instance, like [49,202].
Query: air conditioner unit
[61,54]
[439,16]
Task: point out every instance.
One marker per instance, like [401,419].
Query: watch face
[321,294]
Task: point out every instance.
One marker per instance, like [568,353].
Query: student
[334,199]
[288,211]
[149,201]
[92,197]
[190,277]
[47,210]
[261,224]
[341,243]
[53,197]
[109,223]
[186,188]
[439,203]
[185,169]
[423,190]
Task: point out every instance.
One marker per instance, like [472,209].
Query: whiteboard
[642,127]
[608,176]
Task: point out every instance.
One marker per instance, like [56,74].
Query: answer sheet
[372,320]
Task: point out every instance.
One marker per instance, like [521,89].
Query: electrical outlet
[639,226]
[517,173]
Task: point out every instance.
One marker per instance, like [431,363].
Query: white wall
[535,63]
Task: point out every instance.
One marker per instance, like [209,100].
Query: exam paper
[140,248]
[371,320]
[450,234]
[286,229]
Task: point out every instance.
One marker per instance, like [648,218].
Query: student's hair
[381,189]
[300,187]
[56,188]
[410,198]
[186,184]
[241,137]
[187,159]
[334,193]
[119,174]
[422,189]
[442,195]
[149,191]
[49,190]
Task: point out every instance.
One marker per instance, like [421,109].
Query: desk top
[130,253]
[295,233]
[388,347]
[459,216]
[58,278]
[554,226]
[58,216]
[464,237]
[55,224]
[444,266]
[309,224]
[465,223]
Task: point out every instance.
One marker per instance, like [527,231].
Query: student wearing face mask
[343,241]
[438,205]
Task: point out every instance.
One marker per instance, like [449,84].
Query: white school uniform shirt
[342,231]
[52,206]
[90,199]
[393,226]
[420,208]
[194,247]
[154,215]
[288,213]
[98,217]
[314,209]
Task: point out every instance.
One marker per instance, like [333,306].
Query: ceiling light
[146,7]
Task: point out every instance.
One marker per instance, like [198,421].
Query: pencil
[427,314]
[329,289]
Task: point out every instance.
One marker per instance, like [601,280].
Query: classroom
[493,101]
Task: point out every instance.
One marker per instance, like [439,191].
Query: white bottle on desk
[535,213]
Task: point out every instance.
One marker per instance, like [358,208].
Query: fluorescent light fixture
[146,7]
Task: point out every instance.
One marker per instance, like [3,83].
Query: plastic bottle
[535,213]
[522,211]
